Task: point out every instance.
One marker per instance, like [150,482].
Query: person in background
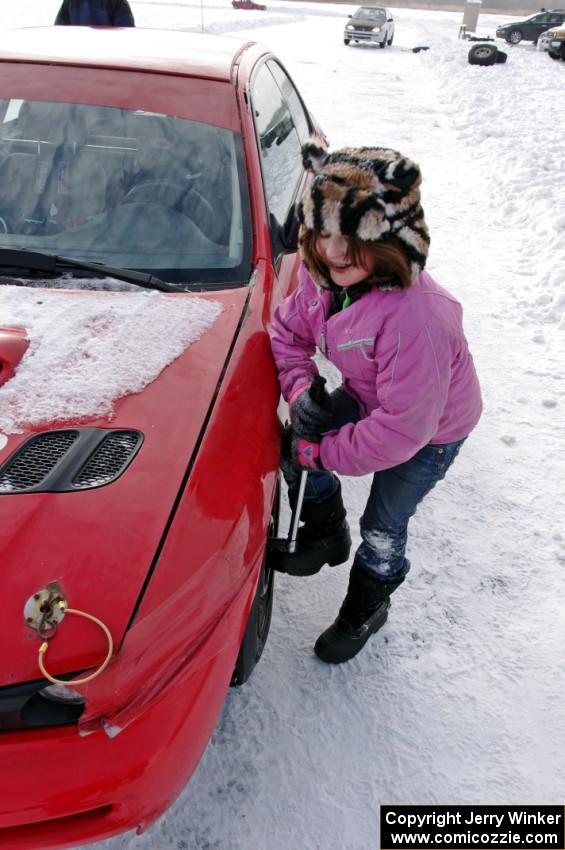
[410,394]
[95,13]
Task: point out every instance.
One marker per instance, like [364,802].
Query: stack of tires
[486,54]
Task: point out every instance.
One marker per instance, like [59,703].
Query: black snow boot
[323,539]
[363,612]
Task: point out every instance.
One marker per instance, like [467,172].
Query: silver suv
[374,24]
[556,44]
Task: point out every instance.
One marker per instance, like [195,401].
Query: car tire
[389,42]
[382,44]
[482,54]
[346,41]
[501,57]
[257,627]
[514,36]
[554,55]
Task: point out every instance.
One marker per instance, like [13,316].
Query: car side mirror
[350,16]
[389,20]
[284,237]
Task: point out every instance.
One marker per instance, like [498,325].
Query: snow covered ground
[460,699]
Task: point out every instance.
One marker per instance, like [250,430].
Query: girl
[409,397]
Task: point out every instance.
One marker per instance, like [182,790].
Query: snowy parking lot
[459,699]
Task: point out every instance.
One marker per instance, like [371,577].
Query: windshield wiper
[21,258]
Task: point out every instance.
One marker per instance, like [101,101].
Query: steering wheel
[153,192]
[189,202]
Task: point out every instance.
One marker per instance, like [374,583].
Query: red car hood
[99,544]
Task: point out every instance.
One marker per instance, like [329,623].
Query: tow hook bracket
[45,609]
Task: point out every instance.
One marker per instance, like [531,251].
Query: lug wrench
[317,394]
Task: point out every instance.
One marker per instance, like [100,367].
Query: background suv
[531,28]
[370,23]
[556,42]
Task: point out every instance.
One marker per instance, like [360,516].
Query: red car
[147,182]
[247,4]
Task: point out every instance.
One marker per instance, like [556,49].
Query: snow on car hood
[75,341]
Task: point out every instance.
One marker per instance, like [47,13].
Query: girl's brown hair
[392,267]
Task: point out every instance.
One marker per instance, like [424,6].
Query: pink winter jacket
[404,358]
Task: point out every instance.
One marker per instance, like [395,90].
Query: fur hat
[369,193]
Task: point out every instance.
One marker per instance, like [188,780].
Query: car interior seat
[165,172]
[49,183]
[207,161]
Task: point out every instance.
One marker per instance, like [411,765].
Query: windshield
[371,14]
[128,188]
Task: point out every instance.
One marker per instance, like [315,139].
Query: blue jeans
[395,495]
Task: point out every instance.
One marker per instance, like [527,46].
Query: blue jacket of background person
[95,13]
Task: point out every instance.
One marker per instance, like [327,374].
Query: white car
[555,42]
[544,39]
[372,24]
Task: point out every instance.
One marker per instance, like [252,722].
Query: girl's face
[333,249]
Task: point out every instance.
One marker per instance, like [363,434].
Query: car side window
[299,115]
[279,143]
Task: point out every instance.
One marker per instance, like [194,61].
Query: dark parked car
[556,42]
[531,28]
[374,24]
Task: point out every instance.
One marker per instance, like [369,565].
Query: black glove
[311,412]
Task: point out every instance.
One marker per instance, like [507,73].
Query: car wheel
[389,42]
[257,628]
[501,57]
[346,41]
[554,55]
[563,52]
[382,44]
[514,37]
[482,54]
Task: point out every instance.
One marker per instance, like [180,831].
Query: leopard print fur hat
[369,193]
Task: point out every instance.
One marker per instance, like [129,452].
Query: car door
[536,25]
[282,125]
[389,24]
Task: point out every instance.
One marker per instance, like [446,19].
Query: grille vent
[109,459]
[67,460]
[37,459]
